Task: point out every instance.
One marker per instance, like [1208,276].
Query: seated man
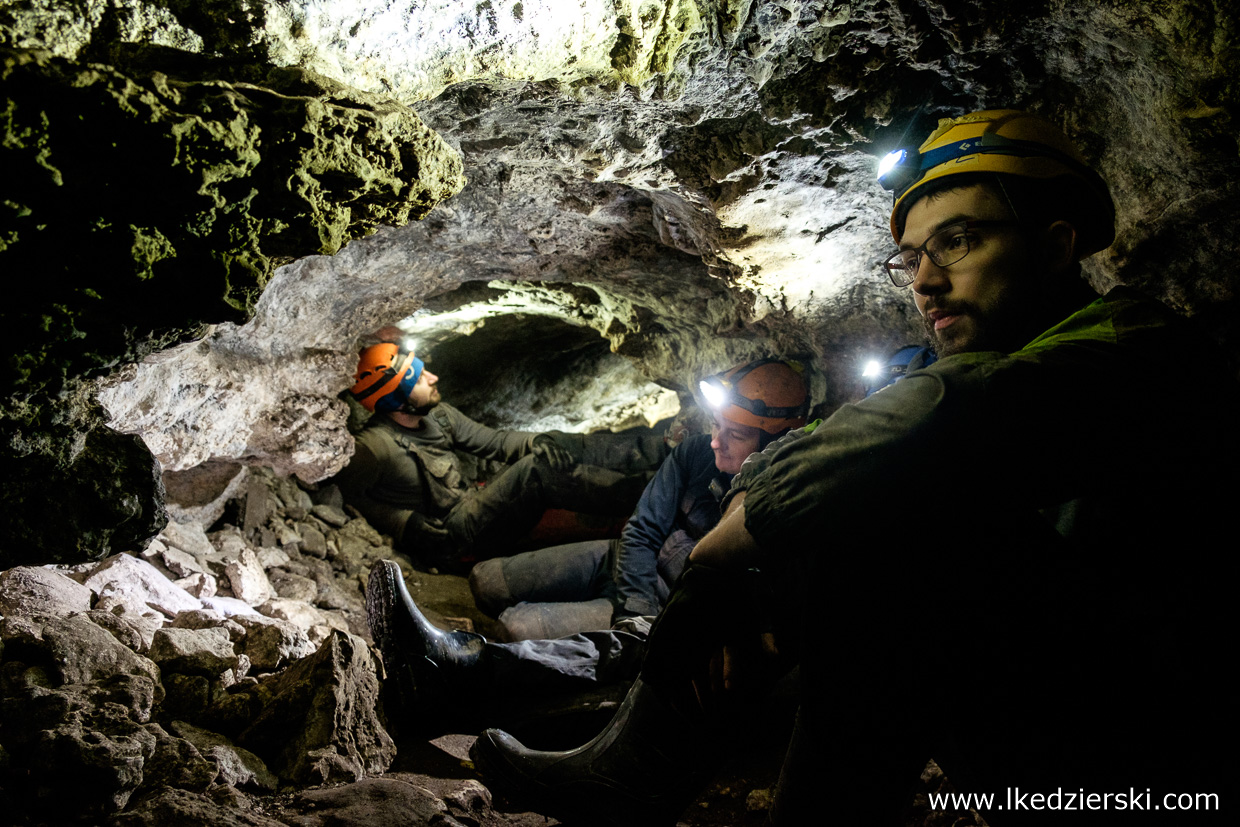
[408,480]
[1008,558]
[755,403]
[572,588]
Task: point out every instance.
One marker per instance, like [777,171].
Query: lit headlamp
[901,168]
[715,391]
[720,392]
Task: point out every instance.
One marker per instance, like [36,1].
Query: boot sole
[382,598]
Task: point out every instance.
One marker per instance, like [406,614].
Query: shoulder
[449,417]
[383,438]
[377,436]
[693,452]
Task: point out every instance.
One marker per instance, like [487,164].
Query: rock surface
[29,590]
[154,200]
[374,802]
[656,191]
[702,195]
[319,721]
[126,687]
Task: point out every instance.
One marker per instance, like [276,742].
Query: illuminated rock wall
[693,180]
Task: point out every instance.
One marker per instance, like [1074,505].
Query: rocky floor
[225,675]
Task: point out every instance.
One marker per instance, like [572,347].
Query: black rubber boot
[424,664]
[662,745]
[644,768]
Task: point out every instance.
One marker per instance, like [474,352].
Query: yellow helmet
[1007,142]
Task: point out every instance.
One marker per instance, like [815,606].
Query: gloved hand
[557,457]
[422,534]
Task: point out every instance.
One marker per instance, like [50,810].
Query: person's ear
[1060,240]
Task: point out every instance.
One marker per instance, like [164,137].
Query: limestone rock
[73,650]
[320,724]
[298,612]
[139,586]
[196,496]
[135,631]
[84,747]
[229,606]
[293,586]
[205,619]
[29,590]
[271,557]
[235,766]
[313,541]
[471,798]
[187,537]
[330,514]
[181,563]
[187,809]
[159,269]
[198,585]
[206,652]
[271,643]
[176,762]
[372,802]
[186,697]
[248,579]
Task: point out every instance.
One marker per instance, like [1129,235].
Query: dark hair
[1036,201]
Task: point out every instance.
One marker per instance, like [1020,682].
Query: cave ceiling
[690,182]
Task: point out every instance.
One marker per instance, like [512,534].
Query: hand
[557,457]
[737,669]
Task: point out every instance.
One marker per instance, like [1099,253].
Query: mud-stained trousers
[610,473]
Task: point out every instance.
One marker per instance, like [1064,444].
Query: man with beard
[408,478]
[1004,562]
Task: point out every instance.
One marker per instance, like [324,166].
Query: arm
[729,544]
[364,475]
[975,437]
[756,463]
[488,443]
[636,567]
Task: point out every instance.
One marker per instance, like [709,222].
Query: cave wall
[139,208]
[694,181]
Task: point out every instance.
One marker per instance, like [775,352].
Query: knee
[547,621]
[489,586]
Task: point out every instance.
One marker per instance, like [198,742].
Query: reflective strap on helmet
[381,380]
[385,377]
[992,144]
[758,407]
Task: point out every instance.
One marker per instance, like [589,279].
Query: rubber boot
[424,664]
[645,768]
[662,745]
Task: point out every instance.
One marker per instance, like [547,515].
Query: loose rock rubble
[173,684]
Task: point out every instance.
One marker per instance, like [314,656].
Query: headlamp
[720,392]
[714,391]
[898,169]
[902,168]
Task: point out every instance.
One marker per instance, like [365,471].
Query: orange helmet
[768,394]
[385,377]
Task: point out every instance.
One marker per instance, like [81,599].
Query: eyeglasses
[946,247]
